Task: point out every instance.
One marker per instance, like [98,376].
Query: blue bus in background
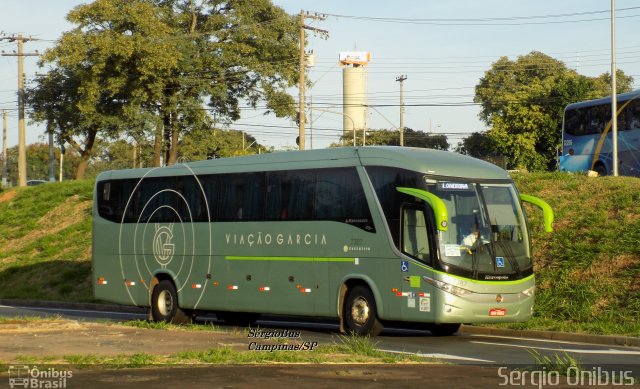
[587,136]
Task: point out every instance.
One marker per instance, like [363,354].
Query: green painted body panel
[294,267]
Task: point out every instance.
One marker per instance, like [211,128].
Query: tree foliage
[206,144]
[38,163]
[478,145]
[163,68]
[522,102]
[412,138]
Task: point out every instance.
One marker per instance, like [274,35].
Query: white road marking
[577,351]
[529,339]
[440,356]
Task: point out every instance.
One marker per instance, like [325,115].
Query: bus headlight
[455,290]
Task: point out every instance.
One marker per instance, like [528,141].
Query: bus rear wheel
[600,169]
[164,305]
[360,312]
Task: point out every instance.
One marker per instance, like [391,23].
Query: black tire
[600,169]
[164,305]
[444,329]
[360,314]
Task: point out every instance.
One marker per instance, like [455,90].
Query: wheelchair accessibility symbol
[405,266]
[499,261]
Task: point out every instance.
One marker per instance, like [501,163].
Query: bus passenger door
[417,247]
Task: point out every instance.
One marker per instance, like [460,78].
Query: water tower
[354,92]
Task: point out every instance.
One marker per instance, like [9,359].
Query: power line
[492,21]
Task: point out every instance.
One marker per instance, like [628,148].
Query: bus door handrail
[436,203]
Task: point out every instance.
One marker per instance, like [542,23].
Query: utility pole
[401,79]
[61,161]
[52,155]
[303,66]
[22,150]
[614,90]
[4,149]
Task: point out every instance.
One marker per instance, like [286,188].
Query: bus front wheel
[360,312]
[164,304]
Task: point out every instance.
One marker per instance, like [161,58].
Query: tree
[38,162]
[204,144]
[246,49]
[134,67]
[522,102]
[412,138]
[478,145]
[90,90]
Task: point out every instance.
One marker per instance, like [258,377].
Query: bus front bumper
[484,308]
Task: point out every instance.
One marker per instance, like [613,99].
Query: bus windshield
[486,238]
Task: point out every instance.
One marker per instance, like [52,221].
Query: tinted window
[594,120]
[385,180]
[339,196]
[240,197]
[634,115]
[321,194]
[290,195]
[112,198]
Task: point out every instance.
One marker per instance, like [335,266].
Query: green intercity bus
[365,236]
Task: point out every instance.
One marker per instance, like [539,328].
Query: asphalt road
[461,349]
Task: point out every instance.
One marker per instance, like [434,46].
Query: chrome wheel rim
[360,311]
[165,303]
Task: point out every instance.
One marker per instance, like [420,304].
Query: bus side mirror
[546,210]
[439,208]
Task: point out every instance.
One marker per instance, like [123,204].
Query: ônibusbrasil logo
[23,376]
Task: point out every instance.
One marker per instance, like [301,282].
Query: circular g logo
[163,246]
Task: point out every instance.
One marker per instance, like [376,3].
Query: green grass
[586,270]
[30,319]
[146,324]
[564,364]
[45,235]
[348,350]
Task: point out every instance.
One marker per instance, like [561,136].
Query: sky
[442,47]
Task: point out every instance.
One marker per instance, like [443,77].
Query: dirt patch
[606,268]
[70,337]
[362,376]
[7,196]
[607,272]
[72,211]
[17,326]
[44,338]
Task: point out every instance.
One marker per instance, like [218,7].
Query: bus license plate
[497,312]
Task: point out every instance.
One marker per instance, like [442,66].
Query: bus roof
[605,100]
[429,161]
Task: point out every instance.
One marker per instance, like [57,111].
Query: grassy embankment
[588,269]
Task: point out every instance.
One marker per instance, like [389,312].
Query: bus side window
[633,114]
[230,205]
[278,189]
[302,195]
